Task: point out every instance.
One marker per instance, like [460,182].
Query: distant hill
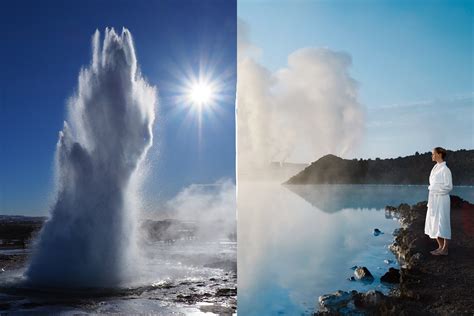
[413,169]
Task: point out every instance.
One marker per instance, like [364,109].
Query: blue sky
[405,54]
[45,45]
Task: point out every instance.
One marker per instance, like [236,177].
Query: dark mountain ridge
[414,169]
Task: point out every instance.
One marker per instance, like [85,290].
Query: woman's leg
[445,245]
[440,243]
[444,249]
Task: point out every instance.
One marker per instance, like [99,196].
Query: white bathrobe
[438,221]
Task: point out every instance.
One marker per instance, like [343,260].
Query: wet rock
[392,276]
[352,278]
[377,232]
[388,261]
[226,292]
[369,299]
[190,299]
[335,301]
[353,267]
[363,274]
[404,207]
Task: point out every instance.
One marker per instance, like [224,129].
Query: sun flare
[201,93]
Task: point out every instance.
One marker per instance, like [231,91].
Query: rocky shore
[429,285]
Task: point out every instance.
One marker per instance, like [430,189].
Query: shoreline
[429,285]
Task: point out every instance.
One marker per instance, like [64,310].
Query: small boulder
[392,276]
[335,301]
[388,261]
[226,292]
[377,232]
[363,274]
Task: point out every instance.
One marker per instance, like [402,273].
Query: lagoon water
[299,242]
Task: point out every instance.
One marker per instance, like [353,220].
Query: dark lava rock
[377,232]
[190,299]
[351,303]
[404,207]
[369,299]
[353,267]
[226,292]
[392,276]
[334,302]
[363,274]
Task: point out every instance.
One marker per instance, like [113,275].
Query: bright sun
[200,94]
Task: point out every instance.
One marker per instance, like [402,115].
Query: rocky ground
[216,294]
[429,285]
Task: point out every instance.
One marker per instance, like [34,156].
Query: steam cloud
[212,207]
[90,237]
[298,113]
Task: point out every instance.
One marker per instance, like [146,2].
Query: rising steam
[212,207]
[90,237]
[300,112]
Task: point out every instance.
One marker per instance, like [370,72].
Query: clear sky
[412,60]
[45,44]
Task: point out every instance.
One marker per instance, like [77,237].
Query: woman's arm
[446,186]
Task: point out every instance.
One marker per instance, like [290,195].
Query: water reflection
[333,198]
[295,247]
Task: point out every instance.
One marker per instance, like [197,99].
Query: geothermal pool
[299,242]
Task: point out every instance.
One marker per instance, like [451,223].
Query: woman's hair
[441,151]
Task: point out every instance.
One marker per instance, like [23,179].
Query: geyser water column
[89,240]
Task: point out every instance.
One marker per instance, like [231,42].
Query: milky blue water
[296,243]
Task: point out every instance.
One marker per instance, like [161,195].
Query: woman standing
[438,221]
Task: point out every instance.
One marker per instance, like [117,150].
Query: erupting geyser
[89,241]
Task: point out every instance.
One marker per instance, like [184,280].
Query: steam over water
[90,237]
